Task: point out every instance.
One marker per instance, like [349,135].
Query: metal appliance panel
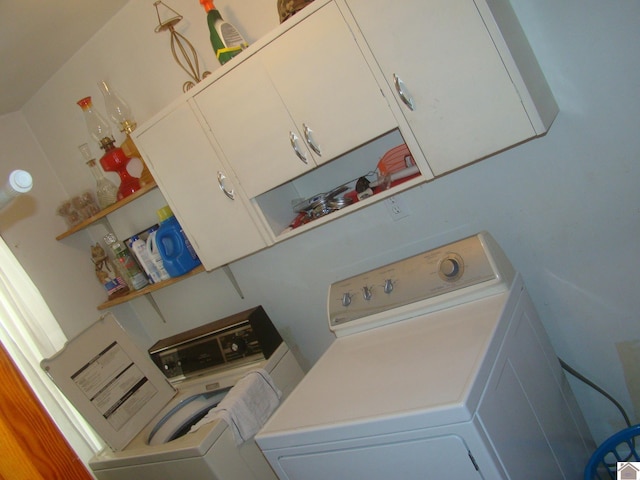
[225,343]
[113,384]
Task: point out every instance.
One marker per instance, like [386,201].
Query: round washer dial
[451,267]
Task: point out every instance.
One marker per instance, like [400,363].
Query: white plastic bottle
[139,249]
[154,255]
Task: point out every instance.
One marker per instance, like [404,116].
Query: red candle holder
[115,160]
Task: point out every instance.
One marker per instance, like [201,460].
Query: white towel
[247,406]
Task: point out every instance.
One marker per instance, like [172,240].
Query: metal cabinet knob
[367,294]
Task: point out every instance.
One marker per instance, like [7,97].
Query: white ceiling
[37,37]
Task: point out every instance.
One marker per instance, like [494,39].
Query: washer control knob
[450,268]
[388,286]
[170,365]
[366,293]
[346,299]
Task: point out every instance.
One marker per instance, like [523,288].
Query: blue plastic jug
[178,255]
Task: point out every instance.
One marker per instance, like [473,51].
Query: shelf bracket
[232,279]
[152,302]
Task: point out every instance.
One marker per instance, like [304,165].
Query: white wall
[60,271]
[564,207]
[137,62]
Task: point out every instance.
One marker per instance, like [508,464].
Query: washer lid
[111,382]
[418,373]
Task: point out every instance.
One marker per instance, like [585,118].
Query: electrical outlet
[396,207]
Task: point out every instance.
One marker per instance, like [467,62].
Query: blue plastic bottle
[178,255]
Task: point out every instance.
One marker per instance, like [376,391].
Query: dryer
[441,369]
[144,403]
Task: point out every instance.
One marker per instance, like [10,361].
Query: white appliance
[441,369]
[143,404]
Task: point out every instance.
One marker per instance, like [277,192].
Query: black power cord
[582,378]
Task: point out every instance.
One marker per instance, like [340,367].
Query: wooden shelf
[103,213]
[151,288]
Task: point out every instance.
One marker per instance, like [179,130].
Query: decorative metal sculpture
[183,52]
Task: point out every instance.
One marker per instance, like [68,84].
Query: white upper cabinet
[327,85]
[254,128]
[308,110]
[305,98]
[467,89]
[198,188]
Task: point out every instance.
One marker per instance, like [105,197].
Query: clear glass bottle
[117,109]
[106,190]
[96,124]
[137,279]
[107,274]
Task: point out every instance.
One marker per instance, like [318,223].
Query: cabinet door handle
[221,180]
[293,138]
[308,136]
[405,96]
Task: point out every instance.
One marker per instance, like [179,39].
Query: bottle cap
[164,213]
[207,4]
[84,102]
[110,238]
[20,181]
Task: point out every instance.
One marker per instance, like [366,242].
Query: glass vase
[106,190]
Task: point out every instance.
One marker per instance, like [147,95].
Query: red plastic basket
[396,159]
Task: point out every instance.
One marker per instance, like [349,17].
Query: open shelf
[110,209]
[149,289]
[278,206]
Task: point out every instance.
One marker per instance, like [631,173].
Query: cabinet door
[465,105]
[186,168]
[253,128]
[327,85]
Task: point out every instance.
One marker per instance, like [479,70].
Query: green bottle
[225,39]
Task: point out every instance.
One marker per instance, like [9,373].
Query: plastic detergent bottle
[225,38]
[154,254]
[178,255]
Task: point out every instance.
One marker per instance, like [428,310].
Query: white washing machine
[441,369]
[143,404]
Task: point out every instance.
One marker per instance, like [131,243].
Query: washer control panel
[442,277]
[223,344]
